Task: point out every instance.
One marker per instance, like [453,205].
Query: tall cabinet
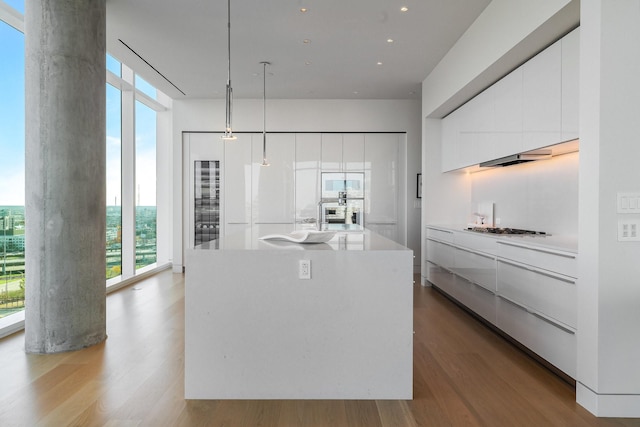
[382,184]
[288,191]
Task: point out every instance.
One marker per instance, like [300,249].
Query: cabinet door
[449,141]
[542,98]
[331,152]
[273,186]
[466,148]
[570,84]
[482,124]
[507,132]
[237,180]
[353,152]
[307,170]
[381,178]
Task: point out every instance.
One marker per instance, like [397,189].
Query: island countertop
[256,327]
[248,238]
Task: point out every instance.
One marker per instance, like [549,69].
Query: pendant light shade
[264,113]
[228,131]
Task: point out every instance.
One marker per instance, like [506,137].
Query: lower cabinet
[547,339]
[533,305]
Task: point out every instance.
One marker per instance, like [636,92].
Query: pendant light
[264,113]
[228,132]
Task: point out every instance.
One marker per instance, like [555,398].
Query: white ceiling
[186,42]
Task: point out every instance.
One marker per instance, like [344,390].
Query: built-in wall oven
[342,198]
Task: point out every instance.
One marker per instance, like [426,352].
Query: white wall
[541,196]
[609,291]
[304,116]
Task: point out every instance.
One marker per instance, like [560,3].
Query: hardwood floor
[464,375]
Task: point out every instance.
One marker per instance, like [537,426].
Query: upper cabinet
[541,108]
[508,105]
[532,107]
[570,84]
[342,152]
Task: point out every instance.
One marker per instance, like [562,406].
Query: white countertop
[248,239]
[556,242]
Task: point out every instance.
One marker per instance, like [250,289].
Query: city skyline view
[12,163]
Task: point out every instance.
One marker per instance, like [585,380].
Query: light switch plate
[628,203]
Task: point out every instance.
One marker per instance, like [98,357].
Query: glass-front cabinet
[206,201]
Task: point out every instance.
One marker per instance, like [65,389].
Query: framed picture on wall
[419,186]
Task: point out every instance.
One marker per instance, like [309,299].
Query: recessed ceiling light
[355,92]
[307,62]
[306,41]
[303,9]
[379,63]
[389,40]
[404,9]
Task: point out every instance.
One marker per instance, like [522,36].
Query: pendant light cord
[264,113]
[228,131]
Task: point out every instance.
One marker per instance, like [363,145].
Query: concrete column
[65,174]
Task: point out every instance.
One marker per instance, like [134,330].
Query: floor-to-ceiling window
[114,173]
[12,224]
[146,209]
[12,164]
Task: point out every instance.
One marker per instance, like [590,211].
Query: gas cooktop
[492,230]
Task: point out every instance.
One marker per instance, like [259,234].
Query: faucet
[319,219]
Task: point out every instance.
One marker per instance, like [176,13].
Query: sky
[11,116]
[12,126]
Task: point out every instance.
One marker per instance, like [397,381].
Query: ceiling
[181,46]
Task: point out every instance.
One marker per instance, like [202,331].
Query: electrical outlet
[304,270]
[629,230]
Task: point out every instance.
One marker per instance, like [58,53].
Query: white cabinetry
[237,180]
[382,189]
[527,291]
[534,106]
[570,84]
[307,170]
[273,186]
[541,87]
[353,152]
[507,136]
[450,143]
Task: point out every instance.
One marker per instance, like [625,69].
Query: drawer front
[476,298]
[479,243]
[556,345]
[561,262]
[476,267]
[550,294]
[440,253]
[439,277]
[442,235]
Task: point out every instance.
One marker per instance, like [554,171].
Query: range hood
[529,156]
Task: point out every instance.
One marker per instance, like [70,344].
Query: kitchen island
[255,330]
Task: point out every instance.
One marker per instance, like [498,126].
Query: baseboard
[608,405]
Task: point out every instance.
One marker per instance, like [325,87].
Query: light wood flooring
[464,375]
